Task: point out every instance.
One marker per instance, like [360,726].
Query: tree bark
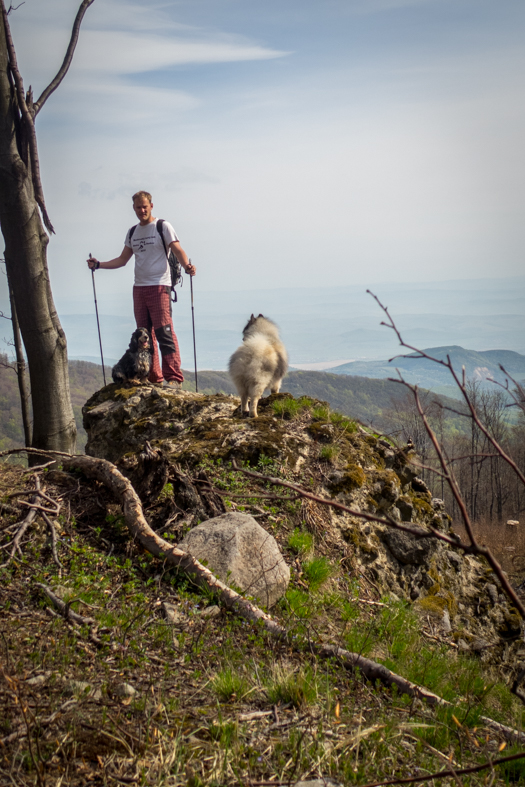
[21,371]
[26,265]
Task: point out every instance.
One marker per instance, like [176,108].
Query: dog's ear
[260,315]
[134,343]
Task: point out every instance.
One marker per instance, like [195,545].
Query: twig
[64,608]
[444,774]
[53,539]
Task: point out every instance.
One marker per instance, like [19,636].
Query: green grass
[300,542]
[329,453]
[317,571]
[320,413]
[289,408]
[347,424]
[229,684]
[296,687]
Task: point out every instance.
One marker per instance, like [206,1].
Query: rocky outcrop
[158,438]
[241,553]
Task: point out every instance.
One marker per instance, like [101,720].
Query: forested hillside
[84,379]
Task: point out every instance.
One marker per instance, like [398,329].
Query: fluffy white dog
[259,363]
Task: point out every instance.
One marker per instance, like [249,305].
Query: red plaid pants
[152,311]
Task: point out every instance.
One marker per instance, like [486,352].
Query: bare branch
[461,384]
[470,549]
[64,68]
[29,125]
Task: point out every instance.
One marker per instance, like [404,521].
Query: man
[151,291]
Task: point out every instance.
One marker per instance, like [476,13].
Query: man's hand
[93,263]
[191,269]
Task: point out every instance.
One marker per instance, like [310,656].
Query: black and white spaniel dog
[135,364]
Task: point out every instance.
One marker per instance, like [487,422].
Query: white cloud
[126,53]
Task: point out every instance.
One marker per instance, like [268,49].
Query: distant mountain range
[318,324]
[482,366]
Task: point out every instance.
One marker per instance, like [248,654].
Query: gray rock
[462,645]
[172,614]
[38,680]
[409,549]
[80,687]
[125,690]
[479,645]
[210,612]
[322,782]
[406,508]
[446,622]
[242,554]
[455,560]
[492,590]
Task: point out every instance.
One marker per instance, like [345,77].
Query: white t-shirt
[151,262]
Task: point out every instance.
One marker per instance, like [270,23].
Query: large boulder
[242,554]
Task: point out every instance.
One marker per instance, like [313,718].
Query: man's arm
[118,262]
[182,257]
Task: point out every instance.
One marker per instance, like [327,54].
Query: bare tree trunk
[26,242]
[21,372]
[26,266]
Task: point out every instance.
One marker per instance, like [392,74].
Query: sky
[290,142]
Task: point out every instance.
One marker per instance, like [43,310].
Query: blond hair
[142,195]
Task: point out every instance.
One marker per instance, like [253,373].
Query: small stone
[493,593]
[323,782]
[210,612]
[38,680]
[124,690]
[406,508]
[80,687]
[479,645]
[172,614]
[446,622]
[462,645]
[454,560]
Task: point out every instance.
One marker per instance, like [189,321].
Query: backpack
[175,266]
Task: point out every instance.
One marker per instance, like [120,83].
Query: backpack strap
[160,230]
[131,231]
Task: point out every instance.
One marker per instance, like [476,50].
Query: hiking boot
[173,384]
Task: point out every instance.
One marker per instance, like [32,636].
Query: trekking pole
[98,323]
[193,324]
